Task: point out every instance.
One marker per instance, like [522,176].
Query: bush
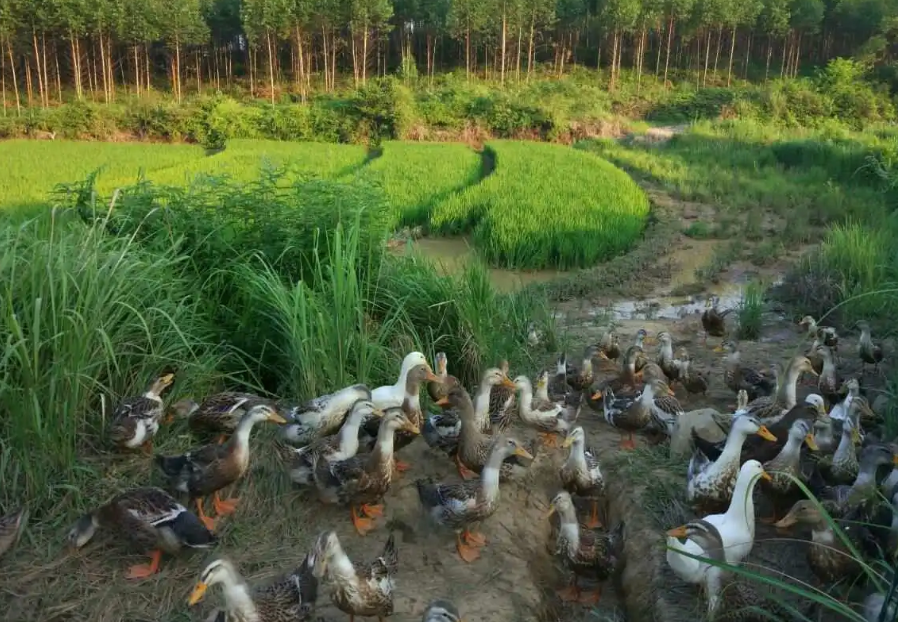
[86,315]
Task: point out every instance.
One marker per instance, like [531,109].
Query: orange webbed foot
[142,571]
[401,466]
[589,598]
[466,552]
[569,594]
[362,525]
[372,511]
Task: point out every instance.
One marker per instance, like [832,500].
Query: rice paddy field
[529,205]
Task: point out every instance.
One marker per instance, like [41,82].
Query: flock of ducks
[343,448]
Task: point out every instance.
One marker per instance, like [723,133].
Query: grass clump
[84,315]
[750,310]
[547,206]
[418,176]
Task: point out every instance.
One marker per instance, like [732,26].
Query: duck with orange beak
[136,419]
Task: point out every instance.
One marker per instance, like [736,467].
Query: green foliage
[750,311]
[585,211]
[86,315]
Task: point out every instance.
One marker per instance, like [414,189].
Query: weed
[750,310]
[700,230]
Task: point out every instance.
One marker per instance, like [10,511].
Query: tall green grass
[750,310]
[418,176]
[548,206]
[85,315]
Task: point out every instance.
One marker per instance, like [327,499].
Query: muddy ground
[516,576]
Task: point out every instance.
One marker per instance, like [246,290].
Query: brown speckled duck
[739,378]
[828,557]
[870,353]
[11,526]
[288,599]
[713,319]
[205,471]
[149,520]
[587,552]
[359,589]
[218,414]
[136,419]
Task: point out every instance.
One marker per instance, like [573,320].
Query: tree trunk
[797,56]
[44,65]
[76,65]
[15,80]
[786,52]
[365,55]
[504,37]
[707,58]
[58,76]
[146,57]
[732,53]
[614,53]
[3,76]
[109,70]
[717,51]
[37,66]
[530,48]
[670,29]
[29,88]
[270,64]
[769,56]
[658,54]
[640,56]
[199,73]
[136,53]
[176,70]
[517,70]
[468,53]
[751,37]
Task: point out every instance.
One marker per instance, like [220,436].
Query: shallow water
[452,254]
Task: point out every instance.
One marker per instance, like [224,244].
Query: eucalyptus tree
[367,19]
[182,25]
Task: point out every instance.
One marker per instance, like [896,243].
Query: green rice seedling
[548,206]
[417,176]
[85,315]
[31,168]
[750,310]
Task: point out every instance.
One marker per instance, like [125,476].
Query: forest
[57,50]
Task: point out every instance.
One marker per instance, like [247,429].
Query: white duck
[392,396]
[840,411]
[736,527]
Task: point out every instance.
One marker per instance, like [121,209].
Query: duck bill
[276,418]
[650,341]
[719,350]
[411,427]
[855,436]
[377,412]
[568,441]
[597,395]
[787,521]
[508,382]
[679,532]
[523,453]
[198,593]
[810,442]
[671,392]
[432,377]
[550,511]
[895,460]
[766,475]
[763,432]
[443,401]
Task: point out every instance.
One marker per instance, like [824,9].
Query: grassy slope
[31,169]
[547,205]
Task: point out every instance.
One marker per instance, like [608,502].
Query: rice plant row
[547,206]
[417,176]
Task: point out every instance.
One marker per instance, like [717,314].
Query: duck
[828,557]
[340,446]
[502,403]
[135,420]
[441,611]
[609,347]
[772,408]
[392,396]
[210,468]
[713,319]
[641,340]
[736,527]
[710,484]
[581,473]
[473,445]
[441,430]
[786,465]
[363,480]
[147,519]
[219,413]
[878,608]
[411,406]
[738,377]
[488,402]
[535,336]
[843,466]
[558,386]
[321,416]
[634,413]
[438,389]
[669,365]
[730,598]
[581,378]
[459,505]
[829,382]
[855,499]
[549,419]
[11,526]
[359,589]
[840,408]
[695,382]
[825,334]
[291,598]
[593,553]
[870,353]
